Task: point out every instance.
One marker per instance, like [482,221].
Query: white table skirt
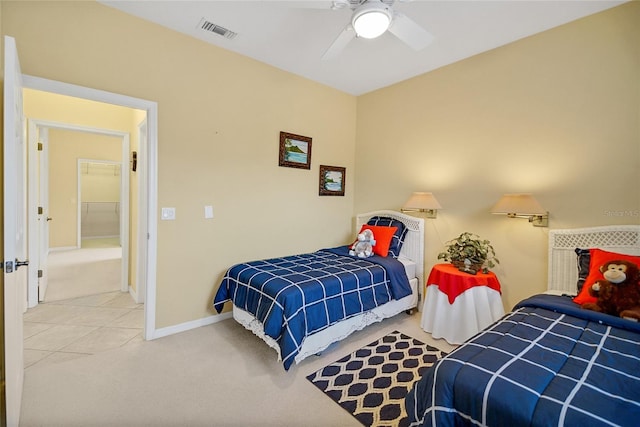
[471,312]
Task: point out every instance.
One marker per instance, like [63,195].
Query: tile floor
[63,330]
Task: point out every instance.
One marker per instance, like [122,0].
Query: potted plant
[470,253]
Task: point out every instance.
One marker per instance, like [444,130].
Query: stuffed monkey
[619,293]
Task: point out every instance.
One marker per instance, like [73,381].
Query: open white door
[14,213]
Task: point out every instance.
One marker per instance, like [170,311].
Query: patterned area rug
[372,382]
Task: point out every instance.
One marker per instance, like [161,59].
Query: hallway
[68,329]
[93,269]
[84,311]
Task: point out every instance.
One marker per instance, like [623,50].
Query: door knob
[49,218]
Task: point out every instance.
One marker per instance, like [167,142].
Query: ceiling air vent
[217,29]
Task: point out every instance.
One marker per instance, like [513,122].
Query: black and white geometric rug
[372,382]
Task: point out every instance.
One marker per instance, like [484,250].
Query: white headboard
[563,267]
[413,247]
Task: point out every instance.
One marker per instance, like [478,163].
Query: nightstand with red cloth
[458,305]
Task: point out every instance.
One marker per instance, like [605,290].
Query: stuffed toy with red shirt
[363,247]
[619,293]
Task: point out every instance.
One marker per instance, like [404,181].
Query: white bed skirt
[315,343]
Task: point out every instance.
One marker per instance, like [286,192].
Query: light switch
[168,214]
[208,212]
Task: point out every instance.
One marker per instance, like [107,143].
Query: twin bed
[301,304]
[548,362]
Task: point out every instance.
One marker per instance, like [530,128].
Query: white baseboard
[133,294]
[62,248]
[183,327]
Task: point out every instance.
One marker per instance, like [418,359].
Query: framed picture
[332,179]
[295,151]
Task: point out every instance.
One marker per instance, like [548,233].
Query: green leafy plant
[478,253]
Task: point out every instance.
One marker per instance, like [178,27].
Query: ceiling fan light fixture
[371,19]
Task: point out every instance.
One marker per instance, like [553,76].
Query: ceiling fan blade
[339,43]
[409,32]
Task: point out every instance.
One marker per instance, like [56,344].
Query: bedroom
[538,115]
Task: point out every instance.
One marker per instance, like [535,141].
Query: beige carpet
[217,375]
[106,242]
[81,272]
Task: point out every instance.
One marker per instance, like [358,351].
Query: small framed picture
[332,179]
[295,151]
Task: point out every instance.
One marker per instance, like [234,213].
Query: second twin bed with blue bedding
[549,362]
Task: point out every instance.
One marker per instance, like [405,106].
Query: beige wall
[556,114]
[99,182]
[56,108]
[65,148]
[220,115]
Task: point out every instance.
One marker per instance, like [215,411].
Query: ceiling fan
[372,18]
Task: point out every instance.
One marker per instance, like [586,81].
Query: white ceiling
[293,35]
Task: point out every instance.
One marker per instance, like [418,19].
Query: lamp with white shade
[422,202]
[522,205]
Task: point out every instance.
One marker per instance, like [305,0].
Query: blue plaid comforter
[298,295]
[548,363]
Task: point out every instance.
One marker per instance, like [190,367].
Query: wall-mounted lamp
[522,205]
[422,202]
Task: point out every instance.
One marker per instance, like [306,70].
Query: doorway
[95,264]
[58,166]
[98,222]
[87,306]
[144,181]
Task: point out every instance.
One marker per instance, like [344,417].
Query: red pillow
[598,259]
[382,236]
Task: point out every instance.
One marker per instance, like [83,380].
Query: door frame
[148,223]
[37,127]
[33,224]
[142,187]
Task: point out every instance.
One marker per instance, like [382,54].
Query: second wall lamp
[522,205]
